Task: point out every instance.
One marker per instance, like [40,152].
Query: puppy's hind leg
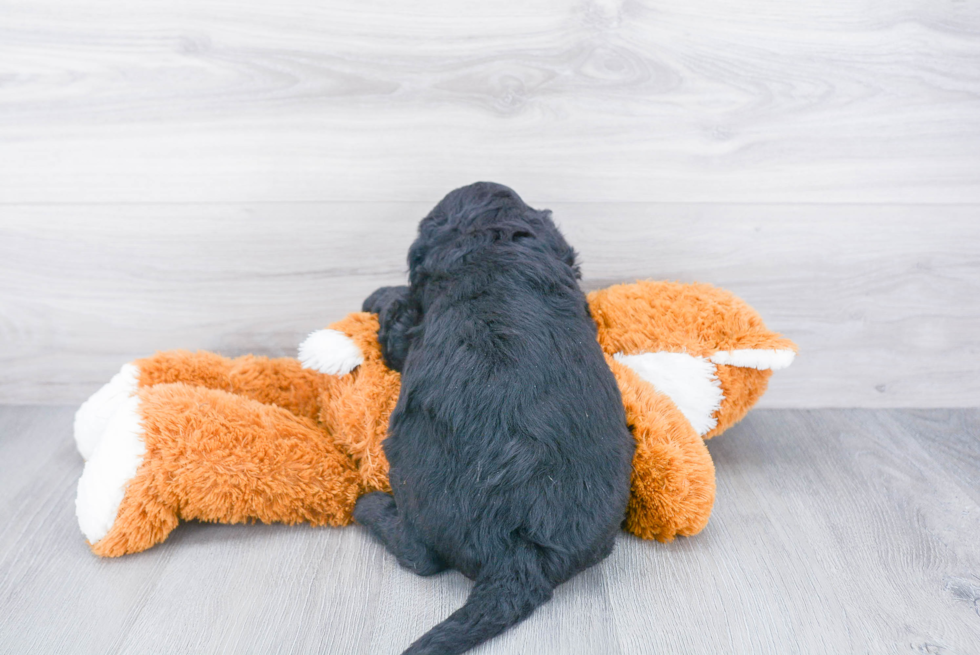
[377,512]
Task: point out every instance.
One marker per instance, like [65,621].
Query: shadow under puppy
[509,450]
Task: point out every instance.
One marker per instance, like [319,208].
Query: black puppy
[509,451]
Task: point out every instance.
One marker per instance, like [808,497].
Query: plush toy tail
[498,601]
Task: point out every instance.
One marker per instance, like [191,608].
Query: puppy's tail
[499,599]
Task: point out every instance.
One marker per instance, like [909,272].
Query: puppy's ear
[570,257]
[553,237]
[416,261]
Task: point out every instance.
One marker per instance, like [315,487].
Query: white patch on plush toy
[331,352]
[93,416]
[688,381]
[759,358]
[108,471]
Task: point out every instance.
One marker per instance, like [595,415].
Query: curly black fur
[509,451]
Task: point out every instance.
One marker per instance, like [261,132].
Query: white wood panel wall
[231,175]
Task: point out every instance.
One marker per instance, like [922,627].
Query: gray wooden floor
[835,531]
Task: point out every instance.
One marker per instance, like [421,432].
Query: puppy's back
[509,450]
[510,385]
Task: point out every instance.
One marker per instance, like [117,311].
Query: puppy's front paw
[383,298]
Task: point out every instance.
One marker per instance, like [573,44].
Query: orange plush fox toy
[183,435]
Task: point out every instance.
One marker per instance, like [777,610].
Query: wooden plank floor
[835,531]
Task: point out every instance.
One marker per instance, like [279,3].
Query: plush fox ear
[342,347]
[699,345]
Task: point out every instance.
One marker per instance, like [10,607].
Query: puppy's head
[479,216]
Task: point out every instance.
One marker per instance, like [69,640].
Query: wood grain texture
[577,621]
[884,301]
[608,100]
[215,589]
[835,531]
[953,441]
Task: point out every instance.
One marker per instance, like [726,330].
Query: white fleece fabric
[93,416]
[759,358]
[331,352]
[108,471]
[687,380]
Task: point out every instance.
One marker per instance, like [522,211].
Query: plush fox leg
[742,388]
[176,451]
[360,403]
[673,486]
[92,418]
[283,382]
